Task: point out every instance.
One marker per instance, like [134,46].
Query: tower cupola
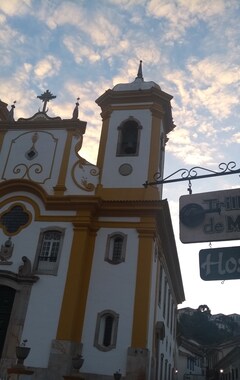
[136,120]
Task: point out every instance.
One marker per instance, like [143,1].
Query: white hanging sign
[213,216]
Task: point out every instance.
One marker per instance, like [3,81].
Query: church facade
[89,272]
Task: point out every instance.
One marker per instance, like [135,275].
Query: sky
[191,48]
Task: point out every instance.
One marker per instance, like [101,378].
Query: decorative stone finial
[75,111]
[11,112]
[6,251]
[46,97]
[139,74]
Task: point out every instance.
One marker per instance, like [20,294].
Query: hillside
[206,329]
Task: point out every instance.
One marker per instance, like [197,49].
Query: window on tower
[116,248]
[128,138]
[48,251]
[106,330]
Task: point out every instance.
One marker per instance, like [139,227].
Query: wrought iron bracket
[193,173]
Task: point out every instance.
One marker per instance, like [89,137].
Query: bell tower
[136,120]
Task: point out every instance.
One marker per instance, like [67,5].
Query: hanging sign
[219,263]
[213,216]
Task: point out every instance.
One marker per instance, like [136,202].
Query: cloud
[8,37]
[127,4]
[16,87]
[47,67]
[208,84]
[80,50]
[183,14]
[236,137]
[215,83]
[15,7]
[98,26]
[201,153]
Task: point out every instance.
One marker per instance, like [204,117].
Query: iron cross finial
[46,97]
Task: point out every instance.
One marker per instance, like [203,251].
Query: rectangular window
[48,251]
[172,316]
[116,248]
[165,297]
[160,286]
[168,308]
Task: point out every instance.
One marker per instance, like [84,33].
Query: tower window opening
[128,138]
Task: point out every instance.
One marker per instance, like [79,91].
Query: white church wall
[112,287]
[139,163]
[42,169]
[46,294]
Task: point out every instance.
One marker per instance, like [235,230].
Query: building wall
[44,304]
[139,162]
[59,313]
[111,287]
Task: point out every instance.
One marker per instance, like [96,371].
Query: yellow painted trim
[149,193]
[143,289]
[102,145]
[60,187]
[2,135]
[51,202]
[155,147]
[75,295]
[129,107]
[37,213]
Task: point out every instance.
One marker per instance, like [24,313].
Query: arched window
[106,330]
[128,138]
[48,251]
[116,248]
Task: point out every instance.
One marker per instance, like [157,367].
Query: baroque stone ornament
[125,169]
[84,174]
[6,252]
[26,268]
[75,111]
[32,152]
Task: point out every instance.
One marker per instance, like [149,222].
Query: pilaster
[77,283]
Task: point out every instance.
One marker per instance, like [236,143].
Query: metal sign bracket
[194,173]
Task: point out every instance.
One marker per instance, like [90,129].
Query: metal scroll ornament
[197,172]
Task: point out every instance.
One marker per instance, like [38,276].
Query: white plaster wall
[111,287]
[111,176]
[46,295]
[44,168]
[152,310]
[168,344]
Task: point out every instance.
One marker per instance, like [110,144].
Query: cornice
[122,97]
[52,202]
[20,125]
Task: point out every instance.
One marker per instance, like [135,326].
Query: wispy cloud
[15,7]
[47,67]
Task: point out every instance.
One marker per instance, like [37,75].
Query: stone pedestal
[15,372]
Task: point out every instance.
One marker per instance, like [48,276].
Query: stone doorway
[7,296]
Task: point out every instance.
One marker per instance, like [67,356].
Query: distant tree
[201,328]
[204,309]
